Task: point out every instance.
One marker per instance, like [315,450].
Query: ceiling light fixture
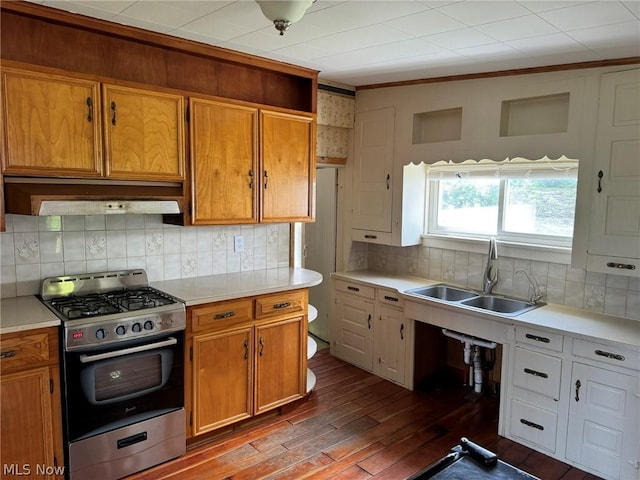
[284,13]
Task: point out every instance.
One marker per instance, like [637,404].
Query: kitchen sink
[444,292]
[499,304]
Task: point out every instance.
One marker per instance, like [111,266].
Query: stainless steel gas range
[122,372]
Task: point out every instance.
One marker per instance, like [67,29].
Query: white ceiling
[362,42]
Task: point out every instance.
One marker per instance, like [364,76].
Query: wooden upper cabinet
[224,162]
[288,167]
[51,125]
[144,136]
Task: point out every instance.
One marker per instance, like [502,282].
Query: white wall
[34,248]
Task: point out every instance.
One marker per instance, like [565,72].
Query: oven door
[111,388]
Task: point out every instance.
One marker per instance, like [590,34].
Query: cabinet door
[281,363]
[144,134]
[352,340]
[604,416]
[615,220]
[288,167]
[224,162]
[372,182]
[51,125]
[390,345]
[26,420]
[222,378]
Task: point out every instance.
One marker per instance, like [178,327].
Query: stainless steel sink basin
[499,304]
[444,292]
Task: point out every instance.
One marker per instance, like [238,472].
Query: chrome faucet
[535,292]
[490,277]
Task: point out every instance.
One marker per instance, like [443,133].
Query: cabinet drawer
[539,338]
[611,354]
[534,425]
[537,372]
[281,303]
[221,315]
[389,297]
[356,289]
[24,350]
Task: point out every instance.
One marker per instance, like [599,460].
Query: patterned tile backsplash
[597,292]
[34,248]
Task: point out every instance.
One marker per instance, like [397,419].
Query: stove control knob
[148,325]
[100,333]
[136,327]
[120,330]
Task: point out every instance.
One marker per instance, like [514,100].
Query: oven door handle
[127,351]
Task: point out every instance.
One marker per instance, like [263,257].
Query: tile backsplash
[597,292]
[33,248]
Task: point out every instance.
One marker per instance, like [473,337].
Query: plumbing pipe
[469,339]
[477,369]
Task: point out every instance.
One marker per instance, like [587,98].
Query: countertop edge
[558,318]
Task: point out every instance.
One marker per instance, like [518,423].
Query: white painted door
[372,182]
[604,422]
[320,248]
[353,338]
[390,344]
[615,218]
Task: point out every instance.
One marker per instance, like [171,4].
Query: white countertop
[214,288]
[582,323]
[25,313]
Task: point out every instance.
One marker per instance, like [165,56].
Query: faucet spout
[490,278]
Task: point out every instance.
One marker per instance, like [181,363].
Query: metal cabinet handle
[600,175]
[624,266]
[8,354]
[282,305]
[369,321]
[251,179]
[246,349]
[113,113]
[614,356]
[578,385]
[531,424]
[388,181]
[90,107]
[372,237]
[390,298]
[219,316]
[266,179]
[261,342]
[354,289]
[536,373]
[537,338]
[402,331]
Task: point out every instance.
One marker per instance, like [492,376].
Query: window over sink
[518,201]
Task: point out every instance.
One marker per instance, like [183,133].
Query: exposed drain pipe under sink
[475,377]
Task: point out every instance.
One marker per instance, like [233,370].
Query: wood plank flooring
[357,426]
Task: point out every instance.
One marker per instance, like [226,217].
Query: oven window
[125,377]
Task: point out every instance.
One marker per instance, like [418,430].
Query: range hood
[90,197]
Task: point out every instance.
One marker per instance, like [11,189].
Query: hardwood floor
[357,426]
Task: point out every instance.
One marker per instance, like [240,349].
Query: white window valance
[509,168]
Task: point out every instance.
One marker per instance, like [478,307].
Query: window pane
[468,205]
[542,206]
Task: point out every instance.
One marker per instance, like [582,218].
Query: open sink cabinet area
[568,380]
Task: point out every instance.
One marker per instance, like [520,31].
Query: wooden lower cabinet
[242,364]
[30,410]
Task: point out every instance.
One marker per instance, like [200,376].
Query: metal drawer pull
[530,336]
[261,342]
[354,289]
[218,316]
[371,236]
[625,266]
[369,321]
[90,112]
[531,424]
[8,354]
[113,113]
[282,305]
[614,356]
[536,373]
[391,299]
[246,349]
[402,331]
[600,175]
